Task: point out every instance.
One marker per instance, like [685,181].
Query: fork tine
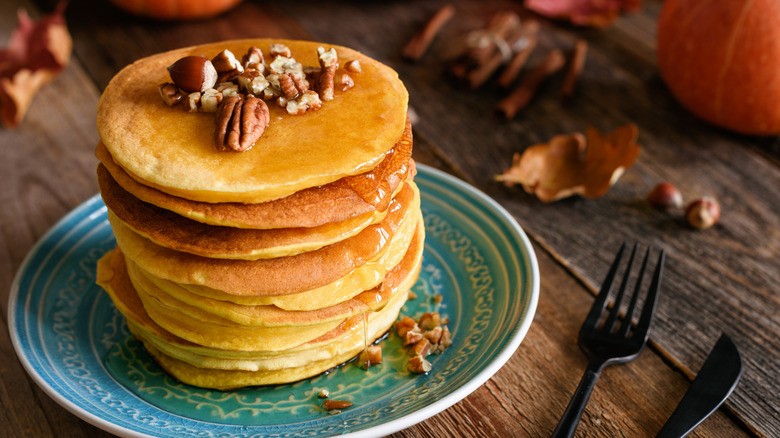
[601,299]
[626,326]
[609,324]
[643,326]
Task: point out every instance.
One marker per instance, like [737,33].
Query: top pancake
[171,149]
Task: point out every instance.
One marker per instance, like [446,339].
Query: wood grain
[722,279]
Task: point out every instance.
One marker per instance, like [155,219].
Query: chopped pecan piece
[170,94]
[288,86]
[210,100]
[330,405]
[353,66]
[446,338]
[193,102]
[240,122]
[253,82]
[253,60]
[227,89]
[404,325]
[372,355]
[434,335]
[227,65]
[305,102]
[430,320]
[292,85]
[419,365]
[412,337]
[422,348]
[329,62]
[312,74]
[280,50]
[344,82]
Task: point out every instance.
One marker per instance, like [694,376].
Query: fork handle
[571,417]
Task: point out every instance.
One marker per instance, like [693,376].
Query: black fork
[607,337]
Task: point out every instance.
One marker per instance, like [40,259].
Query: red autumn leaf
[596,13]
[574,164]
[38,51]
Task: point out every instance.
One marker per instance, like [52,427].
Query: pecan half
[240,122]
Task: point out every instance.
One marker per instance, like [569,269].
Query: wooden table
[724,279]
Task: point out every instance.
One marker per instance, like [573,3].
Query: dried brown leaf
[38,51]
[595,13]
[574,164]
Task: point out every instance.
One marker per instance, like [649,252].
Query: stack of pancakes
[266,266]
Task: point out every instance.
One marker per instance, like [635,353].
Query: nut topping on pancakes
[208,84]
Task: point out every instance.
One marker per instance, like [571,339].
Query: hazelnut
[193,74]
[702,213]
[665,196]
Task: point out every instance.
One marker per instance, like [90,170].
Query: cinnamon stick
[483,71]
[503,24]
[575,68]
[512,69]
[418,45]
[522,95]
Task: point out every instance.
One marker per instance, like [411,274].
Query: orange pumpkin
[176,9]
[721,60]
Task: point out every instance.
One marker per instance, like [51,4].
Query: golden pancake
[172,150]
[278,276]
[265,266]
[270,329]
[371,299]
[181,234]
[229,314]
[362,278]
[188,360]
[334,202]
[348,346]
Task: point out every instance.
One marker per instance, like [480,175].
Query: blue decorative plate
[75,345]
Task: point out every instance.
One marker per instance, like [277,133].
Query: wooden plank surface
[723,279]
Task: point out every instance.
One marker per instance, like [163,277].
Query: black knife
[717,378]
